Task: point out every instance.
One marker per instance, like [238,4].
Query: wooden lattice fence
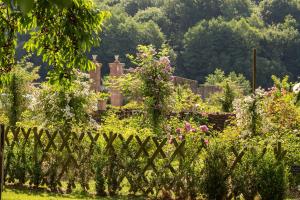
[41,157]
[71,154]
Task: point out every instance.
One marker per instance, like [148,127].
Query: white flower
[165,60]
[296,88]
[260,92]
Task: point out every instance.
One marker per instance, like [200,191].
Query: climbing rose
[170,141]
[194,130]
[178,130]
[187,127]
[165,60]
[206,141]
[181,137]
[204,128]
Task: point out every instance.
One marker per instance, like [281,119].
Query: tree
[232,9]
[132,6]
[237,81]
[216,43]
[122,34]
[233,86]
[61,34]
[275,11]
[156,15]
[229,44]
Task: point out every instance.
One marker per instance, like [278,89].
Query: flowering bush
[186,130]
[249,114]
[149,83]
[63,108]
[15,95]
[154,71]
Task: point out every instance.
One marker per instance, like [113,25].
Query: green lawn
[10,194]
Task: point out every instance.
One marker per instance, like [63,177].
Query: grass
[13,194]
[22,194]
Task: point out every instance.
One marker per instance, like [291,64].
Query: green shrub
[99,164]
[272,178]
[245,178]
[227,99]
[215,183]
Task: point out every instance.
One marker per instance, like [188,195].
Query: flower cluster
[154,71]
[65,107]
[183,132]
[248,110]
[296,88]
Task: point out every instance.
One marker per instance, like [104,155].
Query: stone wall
[206,90]
[177,80]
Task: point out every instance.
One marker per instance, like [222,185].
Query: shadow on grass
[45,193]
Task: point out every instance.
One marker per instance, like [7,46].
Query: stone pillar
[95,75]
[116,70]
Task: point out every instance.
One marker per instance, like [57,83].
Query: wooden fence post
[254,71]
[2,141]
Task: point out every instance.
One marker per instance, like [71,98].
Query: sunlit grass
[11,194]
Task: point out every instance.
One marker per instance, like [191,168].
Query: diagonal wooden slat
[6,136]
[142,146]
[15,131]
[109,142]
[65,141]
[51,138]
[93,143]
[160,150]
[38,135]
[26,134]
[237,159]
[151,159]
[178,151]
[125,145]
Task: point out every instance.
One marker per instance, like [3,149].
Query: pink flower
[283,91]
[204,128]
[166,70]
[187,127]
[194,130]
[206,142]
[171,140]
[181,137]
[178,130]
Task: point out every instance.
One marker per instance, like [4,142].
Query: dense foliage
[61,32]
[159,144]
[208,34]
